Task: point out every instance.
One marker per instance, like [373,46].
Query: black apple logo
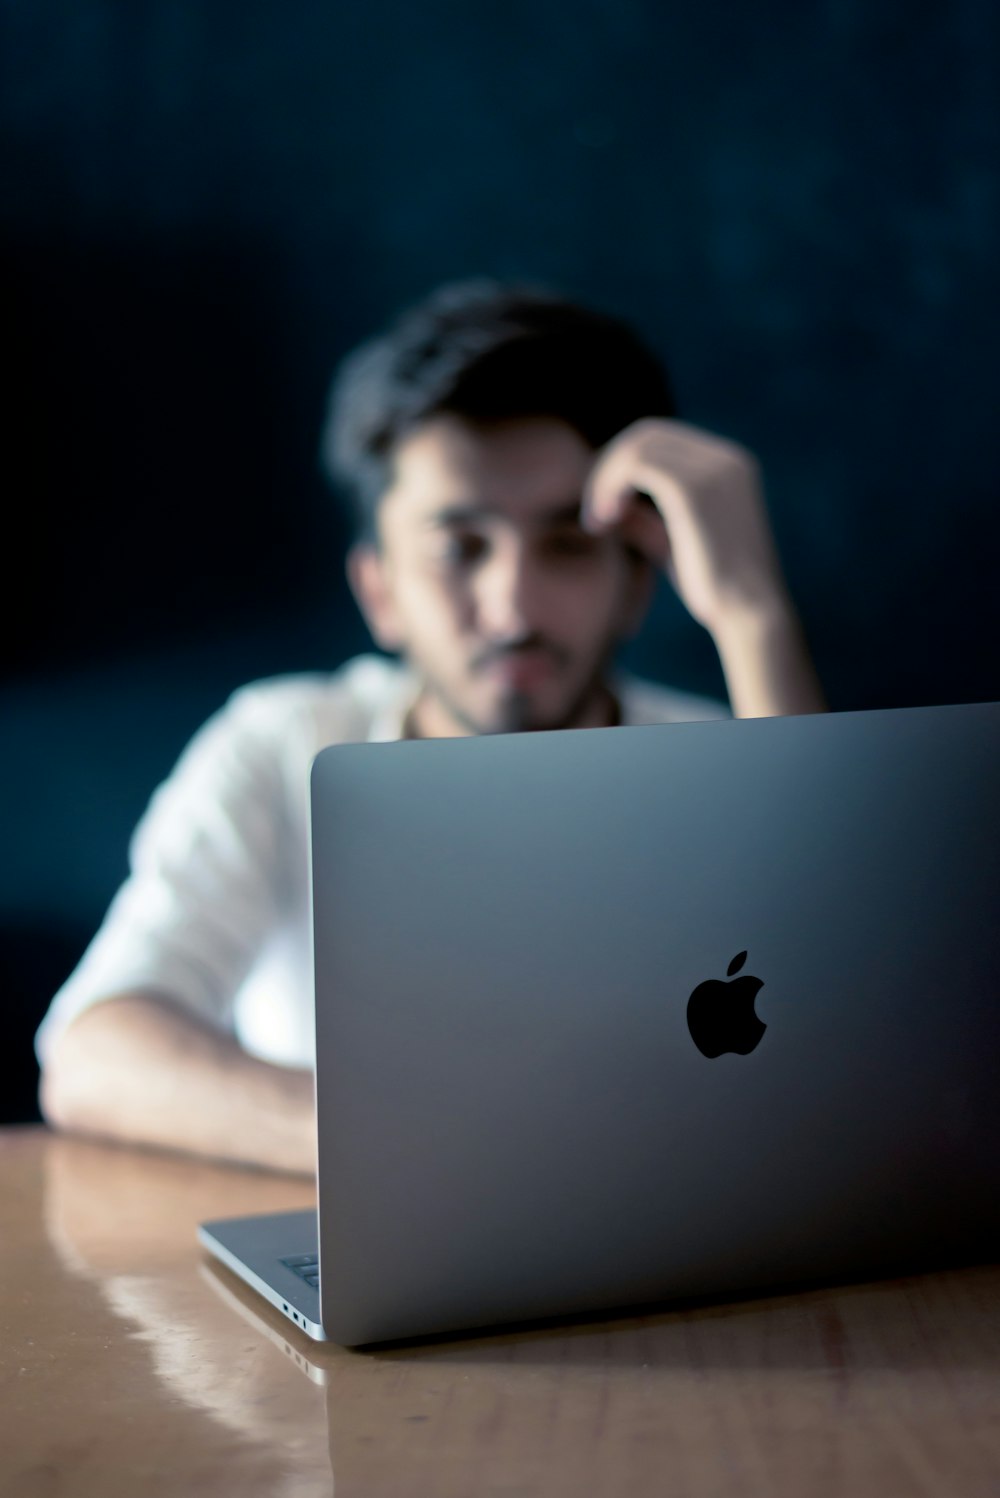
[721,1016]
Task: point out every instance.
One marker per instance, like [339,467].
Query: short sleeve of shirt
[208,875]
[215,912]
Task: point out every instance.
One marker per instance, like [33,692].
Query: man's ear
[369,581]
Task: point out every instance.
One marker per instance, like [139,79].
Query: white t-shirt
[215,910]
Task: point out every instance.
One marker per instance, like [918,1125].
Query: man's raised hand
[691,502]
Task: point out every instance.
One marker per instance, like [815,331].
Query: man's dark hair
[485,350]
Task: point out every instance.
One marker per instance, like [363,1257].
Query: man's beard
[517,711]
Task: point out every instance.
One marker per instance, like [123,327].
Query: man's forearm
[768,669]
[139,1068]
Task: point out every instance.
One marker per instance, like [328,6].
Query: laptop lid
[550,1081]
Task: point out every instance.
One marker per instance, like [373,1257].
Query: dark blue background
[205,206]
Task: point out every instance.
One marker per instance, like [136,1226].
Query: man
[519,479]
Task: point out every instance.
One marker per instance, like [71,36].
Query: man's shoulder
[653,702]
[364,678]
[341,705]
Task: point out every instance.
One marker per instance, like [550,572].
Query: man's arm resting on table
[140,1069]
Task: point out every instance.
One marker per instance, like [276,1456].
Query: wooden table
[130,1366]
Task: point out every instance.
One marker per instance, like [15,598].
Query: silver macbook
[614,1017]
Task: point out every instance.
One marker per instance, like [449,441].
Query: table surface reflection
[130,1365]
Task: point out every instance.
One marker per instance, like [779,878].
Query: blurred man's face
[484,580]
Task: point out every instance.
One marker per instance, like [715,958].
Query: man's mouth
[521,668]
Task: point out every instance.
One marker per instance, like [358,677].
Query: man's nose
[508,589]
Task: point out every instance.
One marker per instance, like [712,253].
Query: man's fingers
[609,505]
[604,505]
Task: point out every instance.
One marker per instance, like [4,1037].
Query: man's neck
[428,718]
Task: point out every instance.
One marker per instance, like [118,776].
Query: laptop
[617,1017]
